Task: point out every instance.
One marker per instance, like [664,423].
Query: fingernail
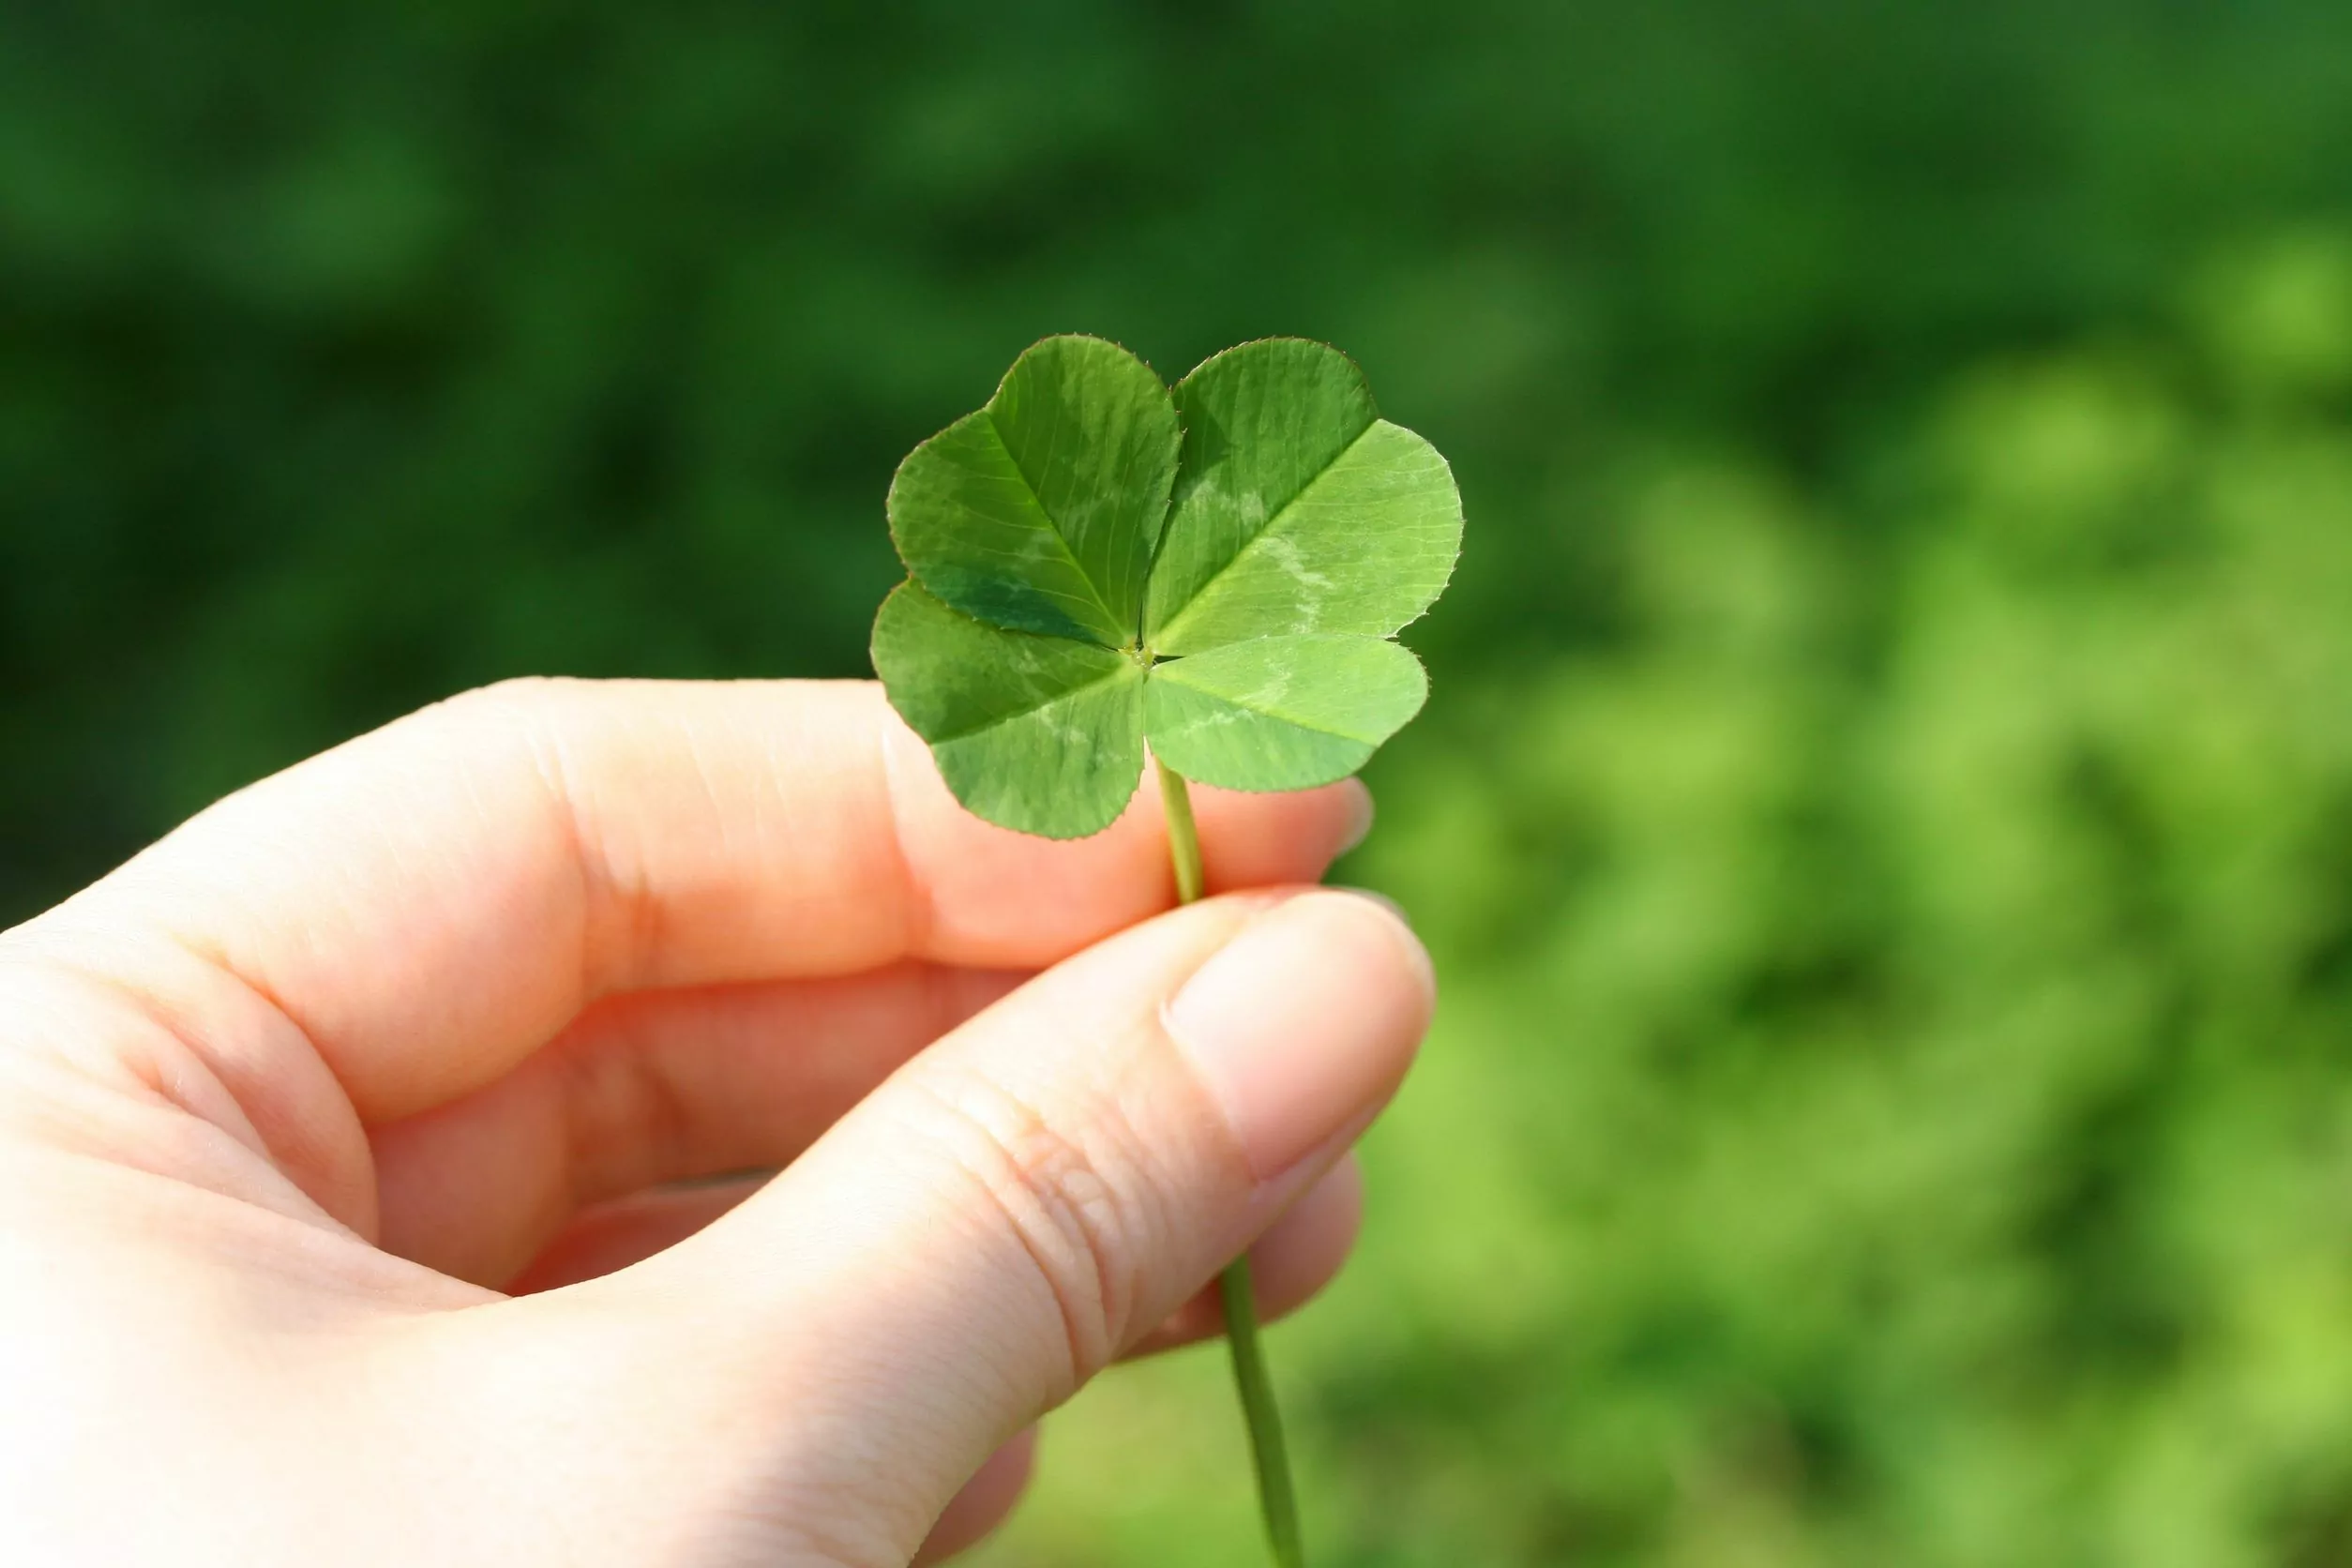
[1303,1021]
[1360,814]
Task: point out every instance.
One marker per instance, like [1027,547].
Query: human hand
[338,1136]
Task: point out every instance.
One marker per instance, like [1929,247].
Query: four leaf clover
[1096,562]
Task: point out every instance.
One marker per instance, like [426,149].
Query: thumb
[1012,1210]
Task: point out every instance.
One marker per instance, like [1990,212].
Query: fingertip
[1260,840]
[1304,1022]
[1361,813]
[1392,918]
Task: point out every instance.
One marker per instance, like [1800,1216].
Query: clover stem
[1276,1498]
[1183,834]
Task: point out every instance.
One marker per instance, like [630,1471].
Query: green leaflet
[1044,735]
[1298,509]
[1041,511]
[1281,713]
[1089,576]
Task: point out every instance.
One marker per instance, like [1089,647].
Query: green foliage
[1052,627]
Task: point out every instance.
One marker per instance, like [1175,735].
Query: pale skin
[375,1151]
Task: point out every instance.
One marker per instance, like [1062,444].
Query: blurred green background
[1886,816]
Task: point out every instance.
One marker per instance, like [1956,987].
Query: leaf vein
[1274,519]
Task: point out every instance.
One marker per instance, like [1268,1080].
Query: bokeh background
[1885,818]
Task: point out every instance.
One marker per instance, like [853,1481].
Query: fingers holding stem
[1276,1497]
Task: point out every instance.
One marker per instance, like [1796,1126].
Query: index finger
[430,902]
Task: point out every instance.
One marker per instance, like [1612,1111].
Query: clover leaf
[1096,563]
